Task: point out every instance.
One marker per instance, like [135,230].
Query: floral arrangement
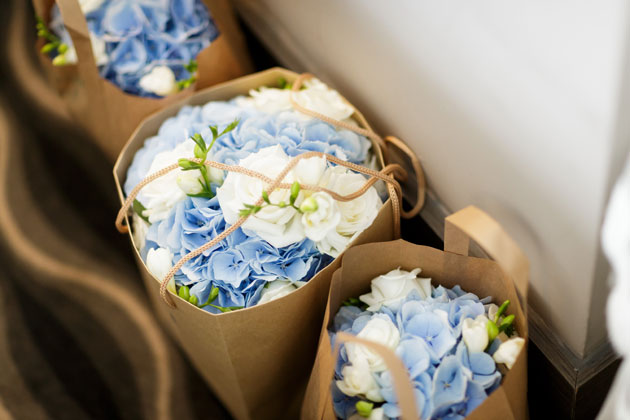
[146,47]
[287,239]
[453,345]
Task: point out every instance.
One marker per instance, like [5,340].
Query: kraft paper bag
[104,110]
[504,278]
[257,360]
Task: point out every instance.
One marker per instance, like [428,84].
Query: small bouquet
[425,347]
[241,202]
[453,345]
[147,48]
[113,62]
[290,236]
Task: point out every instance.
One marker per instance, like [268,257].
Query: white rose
[160,195]
[160,80]
[315,96]
[334,244]
[381,330]
[358,380]
[509,351]
[356,215]
[139,231]
[391,288]
[376,414]
[278,226]
[88,6]
[321,215]
[277,289]
[475,333]
[159,263]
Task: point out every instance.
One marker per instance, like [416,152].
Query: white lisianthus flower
[159,196]
[278,226]
[160,80]
[358,380]
[381,330]
[356,215]
[508,351]
[277,289]
[98,51]
[315,96]
[159,263]
[88,6]
[475,333]
[139,231]
[321,215]
[391,288]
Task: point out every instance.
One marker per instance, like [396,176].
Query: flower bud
[309,205]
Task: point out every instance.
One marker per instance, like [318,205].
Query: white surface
[616,244]
[510,105]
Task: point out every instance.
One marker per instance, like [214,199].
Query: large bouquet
[453,345]
[147,48]
[288,238]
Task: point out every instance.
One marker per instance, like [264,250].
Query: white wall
[511,106]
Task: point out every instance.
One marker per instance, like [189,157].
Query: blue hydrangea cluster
[142,34]
[239,266]
[449,381]
[255,131]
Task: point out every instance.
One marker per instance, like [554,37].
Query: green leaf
[493,331]
[351,302]
[188,165]
[265,197]
[139,209]
[197,138]
[282,82]
[244,212]
[295,190]
[200,153]
[203,194]
[215,132]
[193,299]
[184,292]
[364,408]
[506,323]
[63,48]
[231,126]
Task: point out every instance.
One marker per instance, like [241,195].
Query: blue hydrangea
[449,382]
[239,266]
[255,131]
[142,34]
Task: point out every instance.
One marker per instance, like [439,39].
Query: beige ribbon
[387,174]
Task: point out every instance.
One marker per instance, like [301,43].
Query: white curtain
[616,245]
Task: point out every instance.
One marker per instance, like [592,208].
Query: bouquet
[113,62]
[260,187]
[288,238]
[453,345]
[146,48]
[428,347]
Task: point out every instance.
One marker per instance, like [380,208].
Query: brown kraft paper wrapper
[107,113]
[257,360]
[504,278]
